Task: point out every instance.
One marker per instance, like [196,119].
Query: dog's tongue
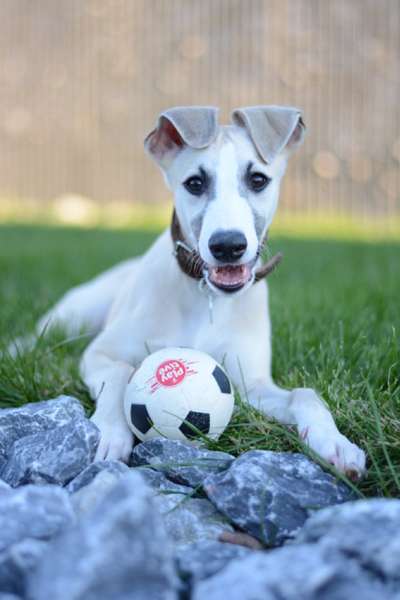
[230,275]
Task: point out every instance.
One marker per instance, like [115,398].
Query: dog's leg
[85,307]
[107,381]
[105,368]
[247,352]
[303,407]
[248,362]
[116,438]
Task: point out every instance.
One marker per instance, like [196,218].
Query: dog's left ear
[194,126]
[271,128]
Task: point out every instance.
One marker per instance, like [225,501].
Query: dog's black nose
[227,246]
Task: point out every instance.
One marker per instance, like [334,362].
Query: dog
[199,283]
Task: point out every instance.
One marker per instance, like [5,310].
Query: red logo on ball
[171,372]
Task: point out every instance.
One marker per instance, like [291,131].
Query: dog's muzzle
[228,247]
[230,278]
[226,277]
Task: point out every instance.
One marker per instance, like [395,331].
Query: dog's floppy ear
[271,128]
[196,126]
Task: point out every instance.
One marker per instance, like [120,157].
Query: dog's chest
[198,325]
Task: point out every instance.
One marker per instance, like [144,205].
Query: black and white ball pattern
[179,393]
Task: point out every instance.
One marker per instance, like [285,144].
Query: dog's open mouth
[230,278]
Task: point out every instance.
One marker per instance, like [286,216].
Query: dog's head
[225,180]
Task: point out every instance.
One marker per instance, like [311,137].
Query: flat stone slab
[181,462]
[118,551]
[16,423]
[38,512]
[53,456]
[270,494]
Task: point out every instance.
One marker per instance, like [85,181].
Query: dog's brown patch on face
[259,224]
[192,264]
[196,224]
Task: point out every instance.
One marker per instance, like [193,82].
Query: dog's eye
[195,185]
[258,181]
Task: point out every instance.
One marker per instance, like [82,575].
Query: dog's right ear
[195,126]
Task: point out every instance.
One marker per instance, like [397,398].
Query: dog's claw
[353,474]
[338,451]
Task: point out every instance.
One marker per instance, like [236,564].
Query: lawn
[335,314]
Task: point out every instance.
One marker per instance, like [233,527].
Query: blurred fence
[81,83]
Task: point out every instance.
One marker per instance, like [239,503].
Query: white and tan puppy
[225,181]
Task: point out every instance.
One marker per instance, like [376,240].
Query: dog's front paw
[337,450]
[116,440]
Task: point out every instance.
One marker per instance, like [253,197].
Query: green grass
[335,320]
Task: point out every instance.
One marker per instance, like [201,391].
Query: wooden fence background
[82,82]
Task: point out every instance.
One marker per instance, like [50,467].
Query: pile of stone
[180,521]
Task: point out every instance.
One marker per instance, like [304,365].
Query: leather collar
[193,265]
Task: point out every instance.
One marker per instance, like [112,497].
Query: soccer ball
[177,392]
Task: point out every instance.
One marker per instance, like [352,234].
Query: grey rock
[206,558]
[303,572]
[368,531]
[271,494]
[4,487]
[53,456]
[118,551]
[17,562]
[346,551]
[181,462]
[31,418]
[189,520]
[159,482]
[86,499]
[88,474]
[38,512]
